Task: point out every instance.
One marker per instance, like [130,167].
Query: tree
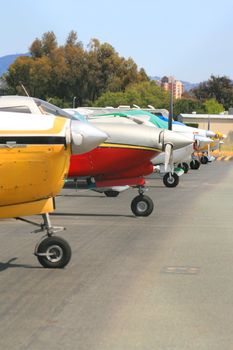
[19,73]
[213,107]
[187,105]
[219,88]
[72,39]
[49,43]
[141,94]
[67,71]
[36,48]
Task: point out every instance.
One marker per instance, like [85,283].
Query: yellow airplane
[34,161]
[217,140]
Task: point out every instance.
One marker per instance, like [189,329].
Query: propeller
[169,166]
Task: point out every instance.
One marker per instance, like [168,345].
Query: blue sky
[189,39]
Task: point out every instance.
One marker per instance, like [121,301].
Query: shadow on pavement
[86,214]
[8,264]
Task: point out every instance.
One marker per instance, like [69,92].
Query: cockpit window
[48,108]
[15,109]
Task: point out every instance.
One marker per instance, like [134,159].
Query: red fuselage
[112,166]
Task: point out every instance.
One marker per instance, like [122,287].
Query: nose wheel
[184,166]
[53,252]
[111,193]
[171,180]
[194,164]
[204,160]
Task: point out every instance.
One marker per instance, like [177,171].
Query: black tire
[171,180]
[142,205]
[58,247]
[204,160]
[184,166]
[111,193]
[194,164]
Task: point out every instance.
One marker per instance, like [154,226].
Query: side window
[15,109]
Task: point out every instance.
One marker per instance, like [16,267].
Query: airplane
[177,156]
[124,156]
[122,160]
[205,141]
[35,156]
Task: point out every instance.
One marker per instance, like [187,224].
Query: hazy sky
[190,39]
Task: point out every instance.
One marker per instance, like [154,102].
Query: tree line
[98,76]
[62,72]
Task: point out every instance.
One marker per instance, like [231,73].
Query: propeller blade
[168,157]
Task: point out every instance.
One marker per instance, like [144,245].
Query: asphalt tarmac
[161,282]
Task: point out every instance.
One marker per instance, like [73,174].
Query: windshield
[48,108]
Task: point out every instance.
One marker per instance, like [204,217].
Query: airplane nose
[210,133]
[177,140]
[85,137]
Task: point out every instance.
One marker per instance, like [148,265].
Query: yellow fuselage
[31,174]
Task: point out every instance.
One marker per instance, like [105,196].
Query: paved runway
[162,282]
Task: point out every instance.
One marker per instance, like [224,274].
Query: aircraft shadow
[156,186]
[6,265]
[86,215]
[80,196]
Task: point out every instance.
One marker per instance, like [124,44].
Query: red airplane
[124,159]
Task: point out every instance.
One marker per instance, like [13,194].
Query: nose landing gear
[51,251]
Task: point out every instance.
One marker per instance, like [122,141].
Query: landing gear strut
[142,205]
[51,251]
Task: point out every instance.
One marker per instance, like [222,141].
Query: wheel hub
[170,180]
[54,253]
[142,206]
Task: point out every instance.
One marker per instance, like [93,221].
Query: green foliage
[141,94]
[99,76]
[58,102]
[187,105]
[71,71]
[218,88]
[213,107]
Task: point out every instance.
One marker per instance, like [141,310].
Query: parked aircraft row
[41,145]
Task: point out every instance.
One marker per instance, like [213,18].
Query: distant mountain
[187,85]
[6,61]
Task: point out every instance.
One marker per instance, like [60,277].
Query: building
[171,84]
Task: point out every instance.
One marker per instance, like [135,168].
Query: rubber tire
[141,198]
[184,166]
[111,193]
[167,177]
[204,160]
[194,164]
[54,241]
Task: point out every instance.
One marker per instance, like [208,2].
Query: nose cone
[177,140]
[210,133]
[201,142]
[85,137]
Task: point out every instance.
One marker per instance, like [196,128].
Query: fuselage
[34,162]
